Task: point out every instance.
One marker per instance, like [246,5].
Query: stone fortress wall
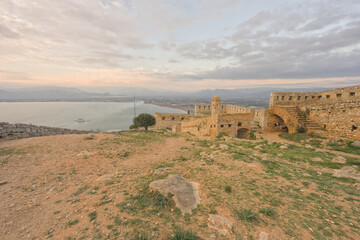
[347,94]
[19,130]
[336,111]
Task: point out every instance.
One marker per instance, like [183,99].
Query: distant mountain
[249,93]
[47,94]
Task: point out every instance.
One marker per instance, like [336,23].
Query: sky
[181,45]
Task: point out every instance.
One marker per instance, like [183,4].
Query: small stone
[316,159]
[162,171]
[308,146]
[213,146]
[224,146]
[283,147]
[339,159]
[356,144]
[104,178]
[258,147]
[263,235]
[90,136]
[220,224]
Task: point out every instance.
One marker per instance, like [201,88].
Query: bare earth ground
[67,187]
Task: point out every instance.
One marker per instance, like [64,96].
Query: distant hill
[47,94]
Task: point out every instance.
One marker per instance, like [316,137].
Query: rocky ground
[71,187]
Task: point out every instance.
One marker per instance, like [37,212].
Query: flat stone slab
[185,193]
[220,224]
[347,172]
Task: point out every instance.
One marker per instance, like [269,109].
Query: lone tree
[144,120]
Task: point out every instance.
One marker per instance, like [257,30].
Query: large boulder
[185,193]
[356,144]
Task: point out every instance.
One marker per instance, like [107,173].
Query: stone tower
[215,113]
[215,107]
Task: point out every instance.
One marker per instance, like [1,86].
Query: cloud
[296,41]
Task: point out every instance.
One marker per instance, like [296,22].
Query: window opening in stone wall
[222,126]
[353,128]
[324,126]
[182,119]
[239,124]
[306,97]
[352,94]
[290,98]
[328,96]
[338,95]
[299,97]
[172,118]
[312,97]
[320,97]
[229,125]
[163,118]
[277,98]
[282,97]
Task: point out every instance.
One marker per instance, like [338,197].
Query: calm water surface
[97,115]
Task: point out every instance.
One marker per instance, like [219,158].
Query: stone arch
[289,115]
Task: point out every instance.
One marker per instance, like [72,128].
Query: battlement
[205,109]
[346,94]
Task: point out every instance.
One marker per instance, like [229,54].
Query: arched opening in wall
[242,133]
[353,128]
[278,124]
[163,118]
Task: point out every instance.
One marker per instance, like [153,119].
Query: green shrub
[228,189]
[247,215]
[268,211]
[181,234]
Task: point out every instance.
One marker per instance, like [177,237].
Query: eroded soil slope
[67,187]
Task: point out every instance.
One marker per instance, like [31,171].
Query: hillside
[68,187]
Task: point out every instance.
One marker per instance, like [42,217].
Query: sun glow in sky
[183,45]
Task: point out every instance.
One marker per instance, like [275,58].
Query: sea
[95,116]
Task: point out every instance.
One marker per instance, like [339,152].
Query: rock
[283,147]
[3,183]
[339,159]
[90,136]
[185,193]
[258,147]
[104,178]
[316,159]
[356,144]
[220,224]
[162,171]
[263,236]
[347,172]
[309,146]
[224,146]
[280,155]
[213,146]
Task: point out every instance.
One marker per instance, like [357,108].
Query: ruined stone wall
[231,123]
[310,98]
[342,118]
[19,130]
[205,109]
[198,127]
[167,120]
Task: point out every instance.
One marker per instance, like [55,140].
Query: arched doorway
[242,133]
[277,124]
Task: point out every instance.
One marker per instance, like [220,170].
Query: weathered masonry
[335,111]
